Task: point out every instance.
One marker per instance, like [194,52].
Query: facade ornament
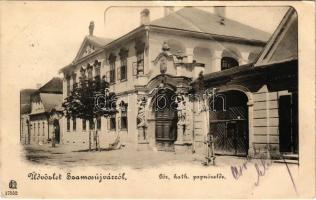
[165,47]
[141,115]
[181,110]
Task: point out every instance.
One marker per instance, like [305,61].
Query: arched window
[228,62]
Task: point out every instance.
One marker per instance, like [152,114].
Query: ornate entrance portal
[229,123]
[166,120]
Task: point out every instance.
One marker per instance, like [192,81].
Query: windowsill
[112,83]
[123,80]
[124,129]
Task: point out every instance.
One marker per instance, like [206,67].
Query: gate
[229,126]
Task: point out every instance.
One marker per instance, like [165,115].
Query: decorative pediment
[87,47]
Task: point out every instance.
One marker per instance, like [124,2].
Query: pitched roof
[25,103]
[283,45]
[55,85]
[98,41]
[194,19]
[51,101]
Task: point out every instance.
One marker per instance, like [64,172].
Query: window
[123,73]
[123,69]
[43,128]
[68,124]
[113,122]
[91,124]
[68,85]
[34,129]
[97,76]
[112,59]
[99,123]
[89,68]
[140,47]
[124,116]
[84,125]
[140,62]
[74,81]
[74,124]
[38,131]
[228,62]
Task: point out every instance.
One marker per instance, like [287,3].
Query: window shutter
[118,73]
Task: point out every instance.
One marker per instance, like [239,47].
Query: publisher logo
[12,184]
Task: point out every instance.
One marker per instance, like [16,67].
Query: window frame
[74,124]
[84,125]
[228,63]
[68,124]
[112,122]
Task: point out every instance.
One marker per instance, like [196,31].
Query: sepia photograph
[168,93]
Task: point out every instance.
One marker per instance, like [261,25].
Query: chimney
[91,28]
[38,85]
[220,12]
[145,17]
[168,10]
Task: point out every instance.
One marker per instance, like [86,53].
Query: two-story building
[151,65]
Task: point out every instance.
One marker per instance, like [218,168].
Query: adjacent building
[43,104]
[25,110]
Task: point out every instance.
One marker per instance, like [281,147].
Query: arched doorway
[56,131]
[165,120]
[229,123]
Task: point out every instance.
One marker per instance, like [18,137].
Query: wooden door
[288,124]
[166,124]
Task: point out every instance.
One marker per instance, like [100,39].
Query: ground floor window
[74,124]
[112,121]
[123,119]
[84,125]
[99,123]
[68,124]
[91,124]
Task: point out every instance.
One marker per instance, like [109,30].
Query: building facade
[155,70]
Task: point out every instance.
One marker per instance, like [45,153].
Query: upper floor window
[123,69]
[89,68]
[140,47]
[112,59]
[97,73]
[74,80]
[68,85]
[228,62]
